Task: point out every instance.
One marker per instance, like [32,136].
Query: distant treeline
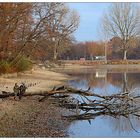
[111,49]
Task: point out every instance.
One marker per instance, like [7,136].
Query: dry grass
[101,62]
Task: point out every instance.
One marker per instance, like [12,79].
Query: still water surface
[106,83]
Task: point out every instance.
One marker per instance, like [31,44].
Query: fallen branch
[91,104]
[68,90]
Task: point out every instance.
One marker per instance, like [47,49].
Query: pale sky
[90,19]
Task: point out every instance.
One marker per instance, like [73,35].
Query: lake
[106,82]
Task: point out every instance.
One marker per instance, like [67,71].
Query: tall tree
[123,21]
[11,14]
[61,26]
[52,23]
[35,27]
[31,28]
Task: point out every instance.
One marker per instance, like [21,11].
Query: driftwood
[91,104]
[69,90]
[65,91]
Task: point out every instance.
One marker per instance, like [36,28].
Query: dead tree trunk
[121,104]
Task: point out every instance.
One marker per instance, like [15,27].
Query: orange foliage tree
[96,48]
[26,27]
[11,15]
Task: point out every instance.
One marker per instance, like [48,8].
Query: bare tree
[123,21]
[61,25]
[53,23]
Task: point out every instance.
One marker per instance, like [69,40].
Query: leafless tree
[123,21]
[61,26]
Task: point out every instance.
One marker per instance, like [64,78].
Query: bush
[5,67]
[23,64]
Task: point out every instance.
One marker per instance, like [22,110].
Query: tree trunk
[125,87]
[55,54]
[125,55]
[91,57]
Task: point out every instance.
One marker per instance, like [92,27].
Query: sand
[28,117]
[36,80]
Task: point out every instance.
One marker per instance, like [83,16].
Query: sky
[90,20]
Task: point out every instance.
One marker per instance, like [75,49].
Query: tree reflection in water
[123,114]
[123,124]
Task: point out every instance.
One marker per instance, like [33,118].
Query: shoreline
[28,117]
[37,80]
[70,65]
[77,68]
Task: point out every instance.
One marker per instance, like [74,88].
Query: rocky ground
[30,118]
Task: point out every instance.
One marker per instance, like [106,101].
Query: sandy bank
[28,117]
[36,80]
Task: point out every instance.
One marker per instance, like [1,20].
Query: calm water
[106,83]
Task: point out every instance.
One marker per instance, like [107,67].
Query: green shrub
[23,64]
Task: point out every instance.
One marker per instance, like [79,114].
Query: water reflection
[113,82]
[103,82]
[124,125]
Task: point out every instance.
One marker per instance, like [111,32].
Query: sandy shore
[28,117]
[37,80]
